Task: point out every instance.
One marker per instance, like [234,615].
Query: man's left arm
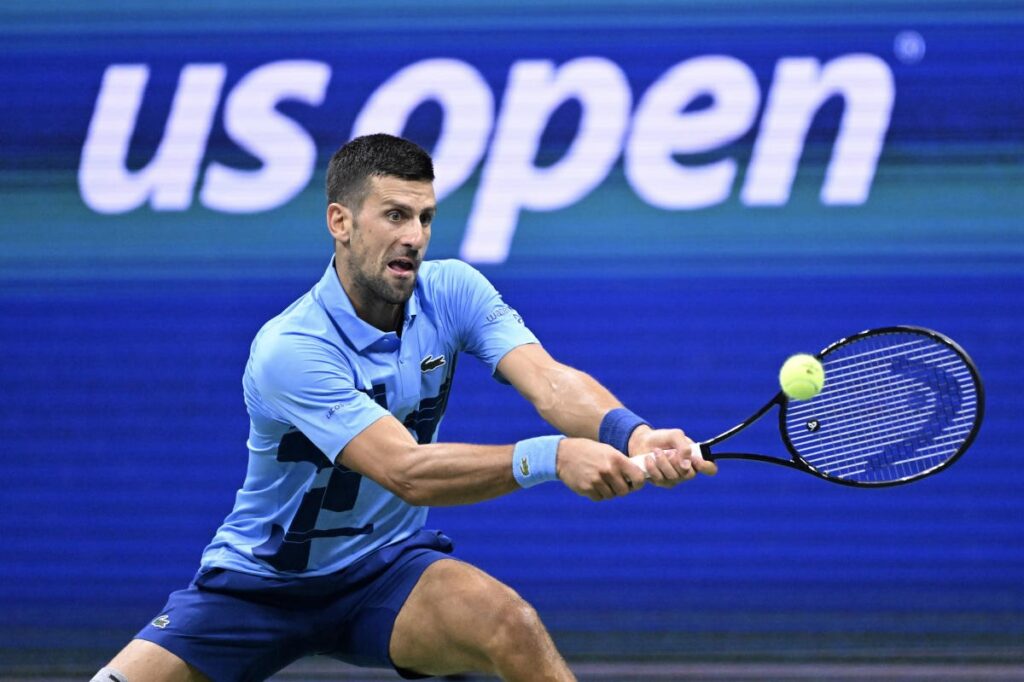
[577,405]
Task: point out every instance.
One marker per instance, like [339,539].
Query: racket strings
[848,466]
[875,445]
[849,387]
[852,420]
[894,406]
[864,377]
[855,453]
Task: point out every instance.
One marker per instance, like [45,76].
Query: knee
[516,627]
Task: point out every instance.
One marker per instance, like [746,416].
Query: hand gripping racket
[899,404]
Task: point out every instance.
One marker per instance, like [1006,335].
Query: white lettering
[468,107]
[510,181]
[661,128]
[169,179]
[799,89]
[696,107]
[287,151]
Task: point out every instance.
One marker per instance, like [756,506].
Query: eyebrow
[392,203]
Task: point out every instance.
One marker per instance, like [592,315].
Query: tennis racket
[899,403]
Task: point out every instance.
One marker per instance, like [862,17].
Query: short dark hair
[376,155]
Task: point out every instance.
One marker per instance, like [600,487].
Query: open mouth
[402,266]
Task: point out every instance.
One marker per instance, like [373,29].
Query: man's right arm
[443,474]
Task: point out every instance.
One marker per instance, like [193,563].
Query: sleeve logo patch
[503,310]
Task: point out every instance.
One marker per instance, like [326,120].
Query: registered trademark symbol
[909,47]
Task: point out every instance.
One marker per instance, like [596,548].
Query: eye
[426,219]
[394,215]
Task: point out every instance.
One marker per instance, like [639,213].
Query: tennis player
[325,551]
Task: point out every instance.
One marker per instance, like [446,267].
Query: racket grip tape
[696,449]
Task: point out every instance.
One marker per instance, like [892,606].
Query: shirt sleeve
[488,327]
[309,384]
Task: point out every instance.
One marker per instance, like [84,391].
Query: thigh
[447,623]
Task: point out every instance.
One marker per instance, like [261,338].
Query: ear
[339,222]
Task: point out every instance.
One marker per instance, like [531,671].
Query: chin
[400,294]
[405,294]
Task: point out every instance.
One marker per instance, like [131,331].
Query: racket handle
[697,449]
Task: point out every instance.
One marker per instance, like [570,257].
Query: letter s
[287,151]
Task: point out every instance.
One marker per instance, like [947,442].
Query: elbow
[406,482]
[411,493]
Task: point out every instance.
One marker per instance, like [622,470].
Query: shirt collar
[333,298]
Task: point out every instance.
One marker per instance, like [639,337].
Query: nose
[416,236]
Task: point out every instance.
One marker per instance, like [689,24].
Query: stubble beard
[374,285]
[377,287]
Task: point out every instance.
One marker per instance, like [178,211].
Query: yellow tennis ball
[802,377]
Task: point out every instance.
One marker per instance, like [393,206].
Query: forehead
[415,194]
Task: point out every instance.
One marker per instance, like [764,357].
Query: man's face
[389,238]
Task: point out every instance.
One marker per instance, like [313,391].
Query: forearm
[568,399]
[574,402]
[446,474]
[441,474]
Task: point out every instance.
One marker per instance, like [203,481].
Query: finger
[662,468]
[707,468]
[681,465]
[679,440]
[634,475]
[682,444]
[687,470]
[678,465]
[656,473]
[670,474]
[704,466]
[616,480]
[603,491]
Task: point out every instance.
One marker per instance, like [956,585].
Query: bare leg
[459,619]
[143,661]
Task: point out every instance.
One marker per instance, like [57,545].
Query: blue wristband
[534,459]
[617,426]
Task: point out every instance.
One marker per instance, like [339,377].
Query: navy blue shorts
[234,626]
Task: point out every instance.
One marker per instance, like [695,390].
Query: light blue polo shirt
[317,376]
